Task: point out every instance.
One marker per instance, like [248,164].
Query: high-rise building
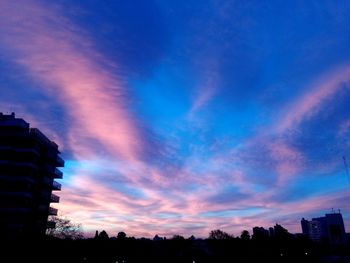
[28,161]
[305,226]
[335,228]
[328,228]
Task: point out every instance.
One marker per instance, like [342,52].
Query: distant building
[260,233]
[28,161]
[280,232]
[304,226]
[329,228]
[277,231]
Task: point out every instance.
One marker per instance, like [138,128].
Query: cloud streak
[62,60]
[318,93]
[196,177]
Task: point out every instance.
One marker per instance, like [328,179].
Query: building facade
[329,228]
[28,167]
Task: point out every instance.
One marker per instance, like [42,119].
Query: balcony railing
[16,195]
[42,137]
[47,181]
[54,198]
[58,174]
[56,186]
[59,162]
[18,180]
[5,148]
[52,211]
[14,211]
[17,164]
[14,123]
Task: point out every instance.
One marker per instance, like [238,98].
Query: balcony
[52,211]
[58,174]
[5,148]
[5,163]
[56,186]
[18,195]
[19,165]
[32,150]
[39,135]
[59,162]
[54,198]
[51,224]
[14,211]
[16,180]
[26,165]
[14,123]
[47,181]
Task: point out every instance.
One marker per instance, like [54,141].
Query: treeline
[218,247]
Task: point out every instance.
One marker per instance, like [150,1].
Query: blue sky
[180,118]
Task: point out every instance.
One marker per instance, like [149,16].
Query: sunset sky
[180,117]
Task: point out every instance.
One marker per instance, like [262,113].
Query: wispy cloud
[61,59]
[122,178]
[206,92]
[308,105]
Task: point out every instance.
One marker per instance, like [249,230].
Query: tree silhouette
[245,235]
[64,229]
[178,237]
[157,238]
[219,234]
[103,235]
[121,235]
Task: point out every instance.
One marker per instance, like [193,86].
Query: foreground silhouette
[30,158]
[219,247]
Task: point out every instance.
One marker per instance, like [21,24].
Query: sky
[180,117]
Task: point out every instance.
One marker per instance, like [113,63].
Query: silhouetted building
[280,232]
[329,228]
[304,226]
[260,233]
[28,161]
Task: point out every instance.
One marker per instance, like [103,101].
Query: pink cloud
[287,160]
[271,149]
[208,86]
[317,93]
[62,60]
[88,200]
[167,212]
[206,93]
